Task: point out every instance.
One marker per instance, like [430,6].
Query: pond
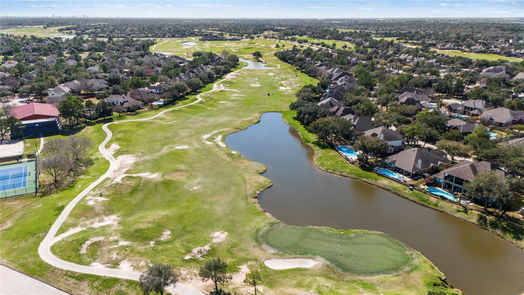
[472,259]
[255,65]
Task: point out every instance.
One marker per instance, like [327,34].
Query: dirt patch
[113,148]
[280,264]
[86,244]
[126,265]
[181,147]
[219,236]
[148,175]
[166,235]
[176,175]
[198,252]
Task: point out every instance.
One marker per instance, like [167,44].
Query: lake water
[473,260]
[254,65]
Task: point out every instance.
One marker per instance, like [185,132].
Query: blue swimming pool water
[13,178]
[159,102]
[432,105]
[390,174]
[459,116]
[347,151]
[441,193]
[492,135]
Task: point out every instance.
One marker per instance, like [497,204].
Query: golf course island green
[181,196]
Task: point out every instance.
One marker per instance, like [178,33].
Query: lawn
[186,46]
[38,31]
[339,43]
[362,253]
[486,56]
[196,187]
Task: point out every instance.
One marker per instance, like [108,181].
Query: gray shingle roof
[417,159]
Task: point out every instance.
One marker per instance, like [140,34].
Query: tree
[479,139]
[77,147]
[7,125]
[157,277]
[332,130]
[180,89]
[103,109]
[194,84]
[371,146]
[487,187]
[57,166]
[453,148]
[257,55]
[216,271]
[71,109]
[366,108]
[253,278]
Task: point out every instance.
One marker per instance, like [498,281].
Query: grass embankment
[199,188]
[38,31]
[473,55]
[356,252]
[329,160]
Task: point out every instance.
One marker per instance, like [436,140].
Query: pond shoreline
[388,187]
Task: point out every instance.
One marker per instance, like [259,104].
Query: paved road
[13,282]
[44,250]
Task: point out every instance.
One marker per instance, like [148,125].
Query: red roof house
[35,111]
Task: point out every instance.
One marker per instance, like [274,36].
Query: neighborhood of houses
[408,164]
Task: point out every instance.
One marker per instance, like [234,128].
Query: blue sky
[264,8]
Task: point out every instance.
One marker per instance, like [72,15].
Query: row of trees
[160,276]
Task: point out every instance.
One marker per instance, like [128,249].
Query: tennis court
[18,179]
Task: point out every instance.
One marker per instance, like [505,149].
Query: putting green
[361,252]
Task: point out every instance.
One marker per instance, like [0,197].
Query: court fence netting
[18,178]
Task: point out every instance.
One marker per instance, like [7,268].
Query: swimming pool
[390,174]
[459,116]
[441,193]
[493,135]
[347,152]
[159,102]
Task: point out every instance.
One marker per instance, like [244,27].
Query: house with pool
[414,162]
[455,178]
[393,138]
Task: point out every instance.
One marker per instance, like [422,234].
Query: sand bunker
[219,236]
[148,175]
[166,235]
[255,84]
[181,147]
[219,142]
[199,252]
[113,148]
[280,264]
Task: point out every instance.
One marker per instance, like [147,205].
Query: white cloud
[320,7]
[208,5]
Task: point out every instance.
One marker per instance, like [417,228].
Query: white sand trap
[190,43]
[86,244]
[195,188]
[206,136]
[219,236]
[219,141]
[223,101]
[181,147]
[198,252]
[113,148]
[284,88]
[270,74]
[166,235]
[126,265]
[148,175]
[255,84]
[290,263]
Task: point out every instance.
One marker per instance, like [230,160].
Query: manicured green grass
[186,46]
[486,56]
[38,31]
[339,43]
[362,253]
